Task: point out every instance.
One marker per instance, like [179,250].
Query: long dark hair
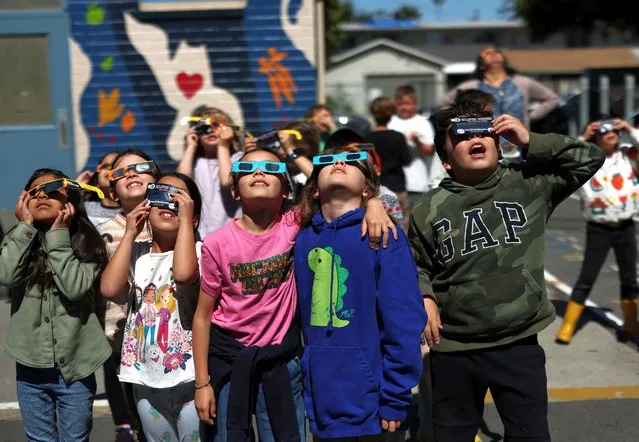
[310,205]
[87,244]
[194,191]
[480,66]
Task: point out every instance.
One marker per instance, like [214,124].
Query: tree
[407,12]
[438,8]
[545,17]
[335,13]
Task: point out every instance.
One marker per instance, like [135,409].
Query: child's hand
[205,404]
[84,177]
[192,139]
[287,141]
[64,217]
[250,144]
[136,218]
[590,130]
[226,134]
[391,426]
[376,223]
[22,210]
[434,323]
[622,125]
[511,129]
[185,207]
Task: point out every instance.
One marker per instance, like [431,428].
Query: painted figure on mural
[135,76]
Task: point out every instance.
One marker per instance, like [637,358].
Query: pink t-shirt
[253,279]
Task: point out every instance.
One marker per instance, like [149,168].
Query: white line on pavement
[567,290]
[14,405]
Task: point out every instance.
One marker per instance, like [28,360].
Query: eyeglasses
[348,157]
[103,166]
[62,183]
[120,172]
[265,166]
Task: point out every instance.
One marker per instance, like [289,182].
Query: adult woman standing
[512,93]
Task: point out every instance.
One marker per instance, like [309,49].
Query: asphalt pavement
[593,383]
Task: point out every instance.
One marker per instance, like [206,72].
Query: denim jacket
[57,324]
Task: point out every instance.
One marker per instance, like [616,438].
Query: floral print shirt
[157,346]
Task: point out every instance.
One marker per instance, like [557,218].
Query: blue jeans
[52,410]
[261,416]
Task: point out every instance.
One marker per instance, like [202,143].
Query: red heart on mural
[189,84]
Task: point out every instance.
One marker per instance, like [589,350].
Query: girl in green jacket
[52,261]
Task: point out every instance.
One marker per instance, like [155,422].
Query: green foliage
[407,12]
[545,17]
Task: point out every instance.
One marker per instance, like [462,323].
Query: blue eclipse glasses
[270,167]
[347,157]
[264,166]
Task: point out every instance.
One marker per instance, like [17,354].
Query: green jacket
[57,324]
[480,250]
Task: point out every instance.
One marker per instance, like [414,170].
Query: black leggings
[599,239]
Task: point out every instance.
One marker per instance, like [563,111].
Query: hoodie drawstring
[333,276]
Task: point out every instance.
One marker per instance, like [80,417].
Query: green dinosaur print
[324,262]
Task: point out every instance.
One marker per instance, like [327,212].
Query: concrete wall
[135,73]
[348,80]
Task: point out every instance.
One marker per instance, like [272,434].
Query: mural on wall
[135,74]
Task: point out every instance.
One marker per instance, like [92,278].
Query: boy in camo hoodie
[479,241]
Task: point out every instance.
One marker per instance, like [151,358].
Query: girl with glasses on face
[361,310]
[610,201]
[245,333]
[128,176]
[52,260]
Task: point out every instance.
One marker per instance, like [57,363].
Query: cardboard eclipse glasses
[120,172]
[62,183]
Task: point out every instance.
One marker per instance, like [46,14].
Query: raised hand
[135,219]
[64,218]
[22,212]
[511,129]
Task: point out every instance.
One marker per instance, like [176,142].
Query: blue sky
[451,10]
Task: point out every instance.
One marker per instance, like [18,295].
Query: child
[392,149]
[207,159]
[52,260]
[101,210]
[321,117]
[355,143]
[609,201]
[161,274]
[361,310]
[299,153]
[425,170]
[131,171]
[246,310]
[479,244]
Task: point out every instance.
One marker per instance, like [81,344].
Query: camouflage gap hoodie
[480,249]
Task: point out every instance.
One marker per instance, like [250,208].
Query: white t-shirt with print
[157,351]
[424,172]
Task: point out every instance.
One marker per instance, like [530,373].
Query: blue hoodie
[362,317]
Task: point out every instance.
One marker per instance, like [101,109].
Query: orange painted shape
[109,106]
[127,123]
[280,80]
